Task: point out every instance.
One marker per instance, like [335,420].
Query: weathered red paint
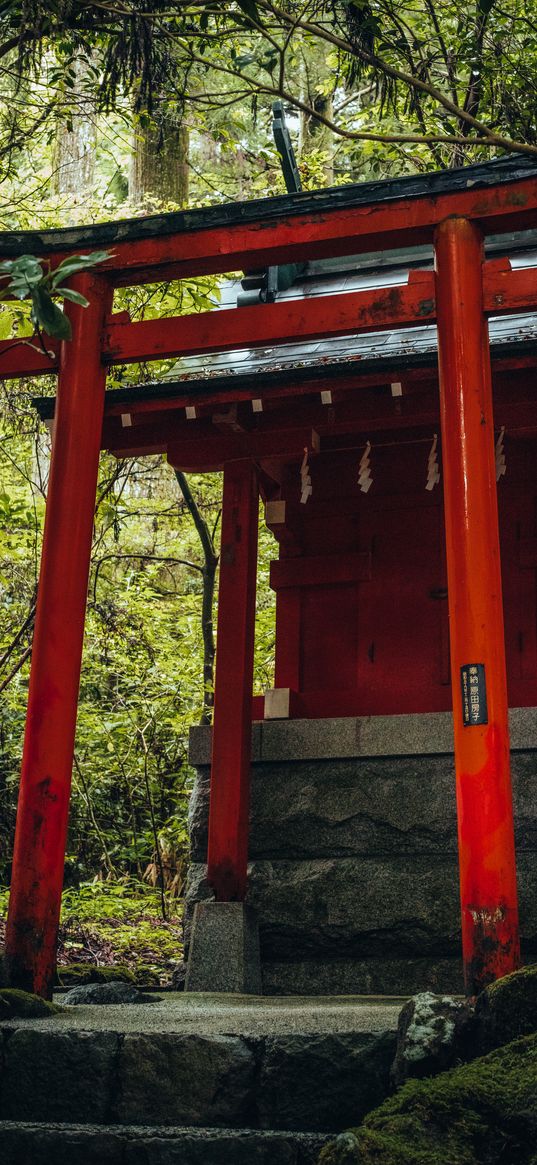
[299,237]
[275,323]
[41,830]
[232,731]
[304,235]
[484,803]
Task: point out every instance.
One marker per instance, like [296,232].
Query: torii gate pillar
[42,815]
[480,709]
[224,951]
[232,732]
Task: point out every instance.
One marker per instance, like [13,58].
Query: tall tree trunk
[314,135]
[159,160]
[74,153]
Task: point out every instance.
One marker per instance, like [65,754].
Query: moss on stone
[146,975]
[78,974]
[24,1005]
[507,1009]
[483,1113]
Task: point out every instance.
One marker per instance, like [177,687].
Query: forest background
[123,108]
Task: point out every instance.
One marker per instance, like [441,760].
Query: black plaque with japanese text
[474,694]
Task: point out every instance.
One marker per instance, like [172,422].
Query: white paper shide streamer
[500,455]
[433,468]
[306,488]
[365,480]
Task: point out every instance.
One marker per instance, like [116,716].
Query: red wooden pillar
[38,861]
[480,710]
[232,731]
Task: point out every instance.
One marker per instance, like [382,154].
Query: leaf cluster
[36,280]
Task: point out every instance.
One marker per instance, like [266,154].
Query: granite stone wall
[353,858]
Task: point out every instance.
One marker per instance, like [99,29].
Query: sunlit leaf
[73,296]
[48,316]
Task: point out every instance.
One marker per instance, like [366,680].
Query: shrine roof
[431,185]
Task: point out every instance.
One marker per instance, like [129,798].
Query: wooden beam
[26,357]
[214,451]
[320,570]
[322,317]
[344,221]
[507,289]
[288,428]
[403,305]
[273,323]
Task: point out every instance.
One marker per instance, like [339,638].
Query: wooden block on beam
[285,533]
[275,513]
[227,419]
[280,703]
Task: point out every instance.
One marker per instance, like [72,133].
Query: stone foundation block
[396,977]
[224,949]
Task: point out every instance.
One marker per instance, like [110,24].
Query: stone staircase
[191,1080]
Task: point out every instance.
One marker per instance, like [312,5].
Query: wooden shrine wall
[362,612]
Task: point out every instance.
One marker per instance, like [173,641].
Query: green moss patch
[483,1113]
[15,1004]
[78,974]
[507,1009]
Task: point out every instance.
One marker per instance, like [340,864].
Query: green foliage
[115,930]
[34,279]
[120,923]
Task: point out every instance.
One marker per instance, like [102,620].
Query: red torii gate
[454,211]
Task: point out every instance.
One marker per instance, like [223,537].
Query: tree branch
[209,579]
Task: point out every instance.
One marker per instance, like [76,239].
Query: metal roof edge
[193,389]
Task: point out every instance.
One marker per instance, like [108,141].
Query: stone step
[313,1065]
[63,1144]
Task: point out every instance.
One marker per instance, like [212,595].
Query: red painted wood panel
[382,645]
[316,570]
